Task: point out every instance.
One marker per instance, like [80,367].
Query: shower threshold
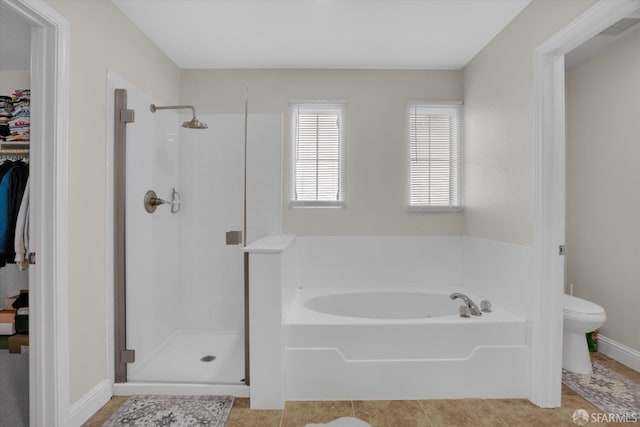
[133,388]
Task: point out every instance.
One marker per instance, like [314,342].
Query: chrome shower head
[194,123]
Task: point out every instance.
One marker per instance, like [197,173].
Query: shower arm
[194,123]
[154,108]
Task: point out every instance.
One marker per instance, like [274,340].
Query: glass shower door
[184,285]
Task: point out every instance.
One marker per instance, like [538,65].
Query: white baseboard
[620,352]
[89,404]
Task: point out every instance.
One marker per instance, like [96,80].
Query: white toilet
[580,316]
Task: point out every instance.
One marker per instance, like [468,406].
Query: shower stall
[187,199]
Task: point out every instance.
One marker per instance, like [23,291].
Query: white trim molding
[48,358]
[549,125]
[90,403]
[620,352]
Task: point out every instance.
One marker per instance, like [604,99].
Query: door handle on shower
[234,237]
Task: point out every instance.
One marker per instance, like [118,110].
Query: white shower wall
[211,290]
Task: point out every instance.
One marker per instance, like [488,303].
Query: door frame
[48,279]
[549,222]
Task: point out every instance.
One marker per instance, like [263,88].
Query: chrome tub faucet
[473,308]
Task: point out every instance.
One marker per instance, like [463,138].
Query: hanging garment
[5,167]
[11,190]
[22,232]
[20,175]
[4,211]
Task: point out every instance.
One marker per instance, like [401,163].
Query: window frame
[454,105]
[294,107]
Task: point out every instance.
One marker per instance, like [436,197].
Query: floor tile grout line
[425,413]
[282,413]
[495,413]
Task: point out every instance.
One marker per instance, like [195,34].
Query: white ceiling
[384,34]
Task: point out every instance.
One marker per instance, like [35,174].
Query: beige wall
[499,134]
[101,38]
[603,177]
[12,80]
[376,138]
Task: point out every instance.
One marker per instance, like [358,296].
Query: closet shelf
[16,150]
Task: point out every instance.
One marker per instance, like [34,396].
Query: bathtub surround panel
[383,261]
[501,271]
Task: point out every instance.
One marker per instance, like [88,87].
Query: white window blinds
[435,151]
[318,154]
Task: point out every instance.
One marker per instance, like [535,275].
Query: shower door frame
[119,235]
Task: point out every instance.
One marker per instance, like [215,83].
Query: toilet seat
[577,306]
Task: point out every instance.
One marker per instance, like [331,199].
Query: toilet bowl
[580,316]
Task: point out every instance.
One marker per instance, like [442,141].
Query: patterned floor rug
[172,411]
[605,389]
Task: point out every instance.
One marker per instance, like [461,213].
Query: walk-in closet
[15,126]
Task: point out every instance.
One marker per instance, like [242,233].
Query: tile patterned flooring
[411,413]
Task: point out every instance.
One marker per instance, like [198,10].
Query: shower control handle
[155,201]
[152,201]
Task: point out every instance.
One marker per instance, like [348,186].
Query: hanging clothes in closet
[14,177]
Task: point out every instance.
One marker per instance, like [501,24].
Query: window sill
[309,204]
[434,208]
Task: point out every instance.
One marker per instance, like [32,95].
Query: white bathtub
[403,344]
[383,304]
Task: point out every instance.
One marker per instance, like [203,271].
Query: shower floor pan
[185,357]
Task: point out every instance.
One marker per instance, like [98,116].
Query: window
[317,140]
[435,151]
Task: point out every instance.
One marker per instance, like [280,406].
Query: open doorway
[15,84]
[602,90]
[549,75]
[47,276]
